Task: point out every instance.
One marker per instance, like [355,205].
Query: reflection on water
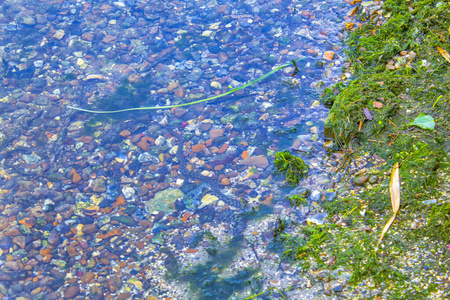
[177,203]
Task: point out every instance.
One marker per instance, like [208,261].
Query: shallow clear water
[105,204]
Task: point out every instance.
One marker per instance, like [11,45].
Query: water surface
[107,204]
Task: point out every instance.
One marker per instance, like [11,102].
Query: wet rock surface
[98,207]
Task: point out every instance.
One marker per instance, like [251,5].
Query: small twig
[390,144]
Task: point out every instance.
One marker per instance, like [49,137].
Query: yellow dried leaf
[386,228]
[394,188]
[135,282]
[377,104]
[348,25]
[444,54]
[353,11]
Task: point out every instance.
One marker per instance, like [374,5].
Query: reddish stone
[108,39]
[125,133]
[76,178]
[89,229]
[146,223]
[179,111]
[72,250]
[223,148]
[185,217]
[87,37]
[140,245]
[86,139]
[72,292]
[114,232]
[19,241]
[257,161]
[225,181]
[215,133]
[198,148]
[145,142]
[12,232]
[219,167]
[29,222]
[180,92]
[3,222]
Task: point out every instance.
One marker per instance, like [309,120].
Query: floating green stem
[188,103]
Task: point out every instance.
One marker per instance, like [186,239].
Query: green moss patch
[398,61]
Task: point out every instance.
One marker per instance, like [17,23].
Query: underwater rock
[359,181]
[128,192]
[163,200]
[318,219]
[257,161]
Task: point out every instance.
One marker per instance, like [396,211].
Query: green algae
[397,74]
[294,167]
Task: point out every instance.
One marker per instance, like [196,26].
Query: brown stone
[114,232]
[72,250]
[53,238]
[86,278]
[76,178]
[135,138]
[89,229]
[3,222]
[36,291]
[173,85]
[124,296]
[105,261]
[185,217]
[28,268]
[113,284]
[140,245]
[19,241]
[215,133]
[223,148]
[146,223]
[92,210]
[125,133]
[12,232]
[222,57]
[256,161]
[87,37]
[11,265]
[47,258]
[179,111]
[170,218]
[29,222]
[205,126]
[143,191]
[145,142]
[72,292]
[219,167]
[198,148]
[191,250]
[86,139]
[122,264]
[72,280]
[108,39]
[180,92]
[225,181]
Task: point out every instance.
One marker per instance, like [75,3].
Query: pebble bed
[106,207]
